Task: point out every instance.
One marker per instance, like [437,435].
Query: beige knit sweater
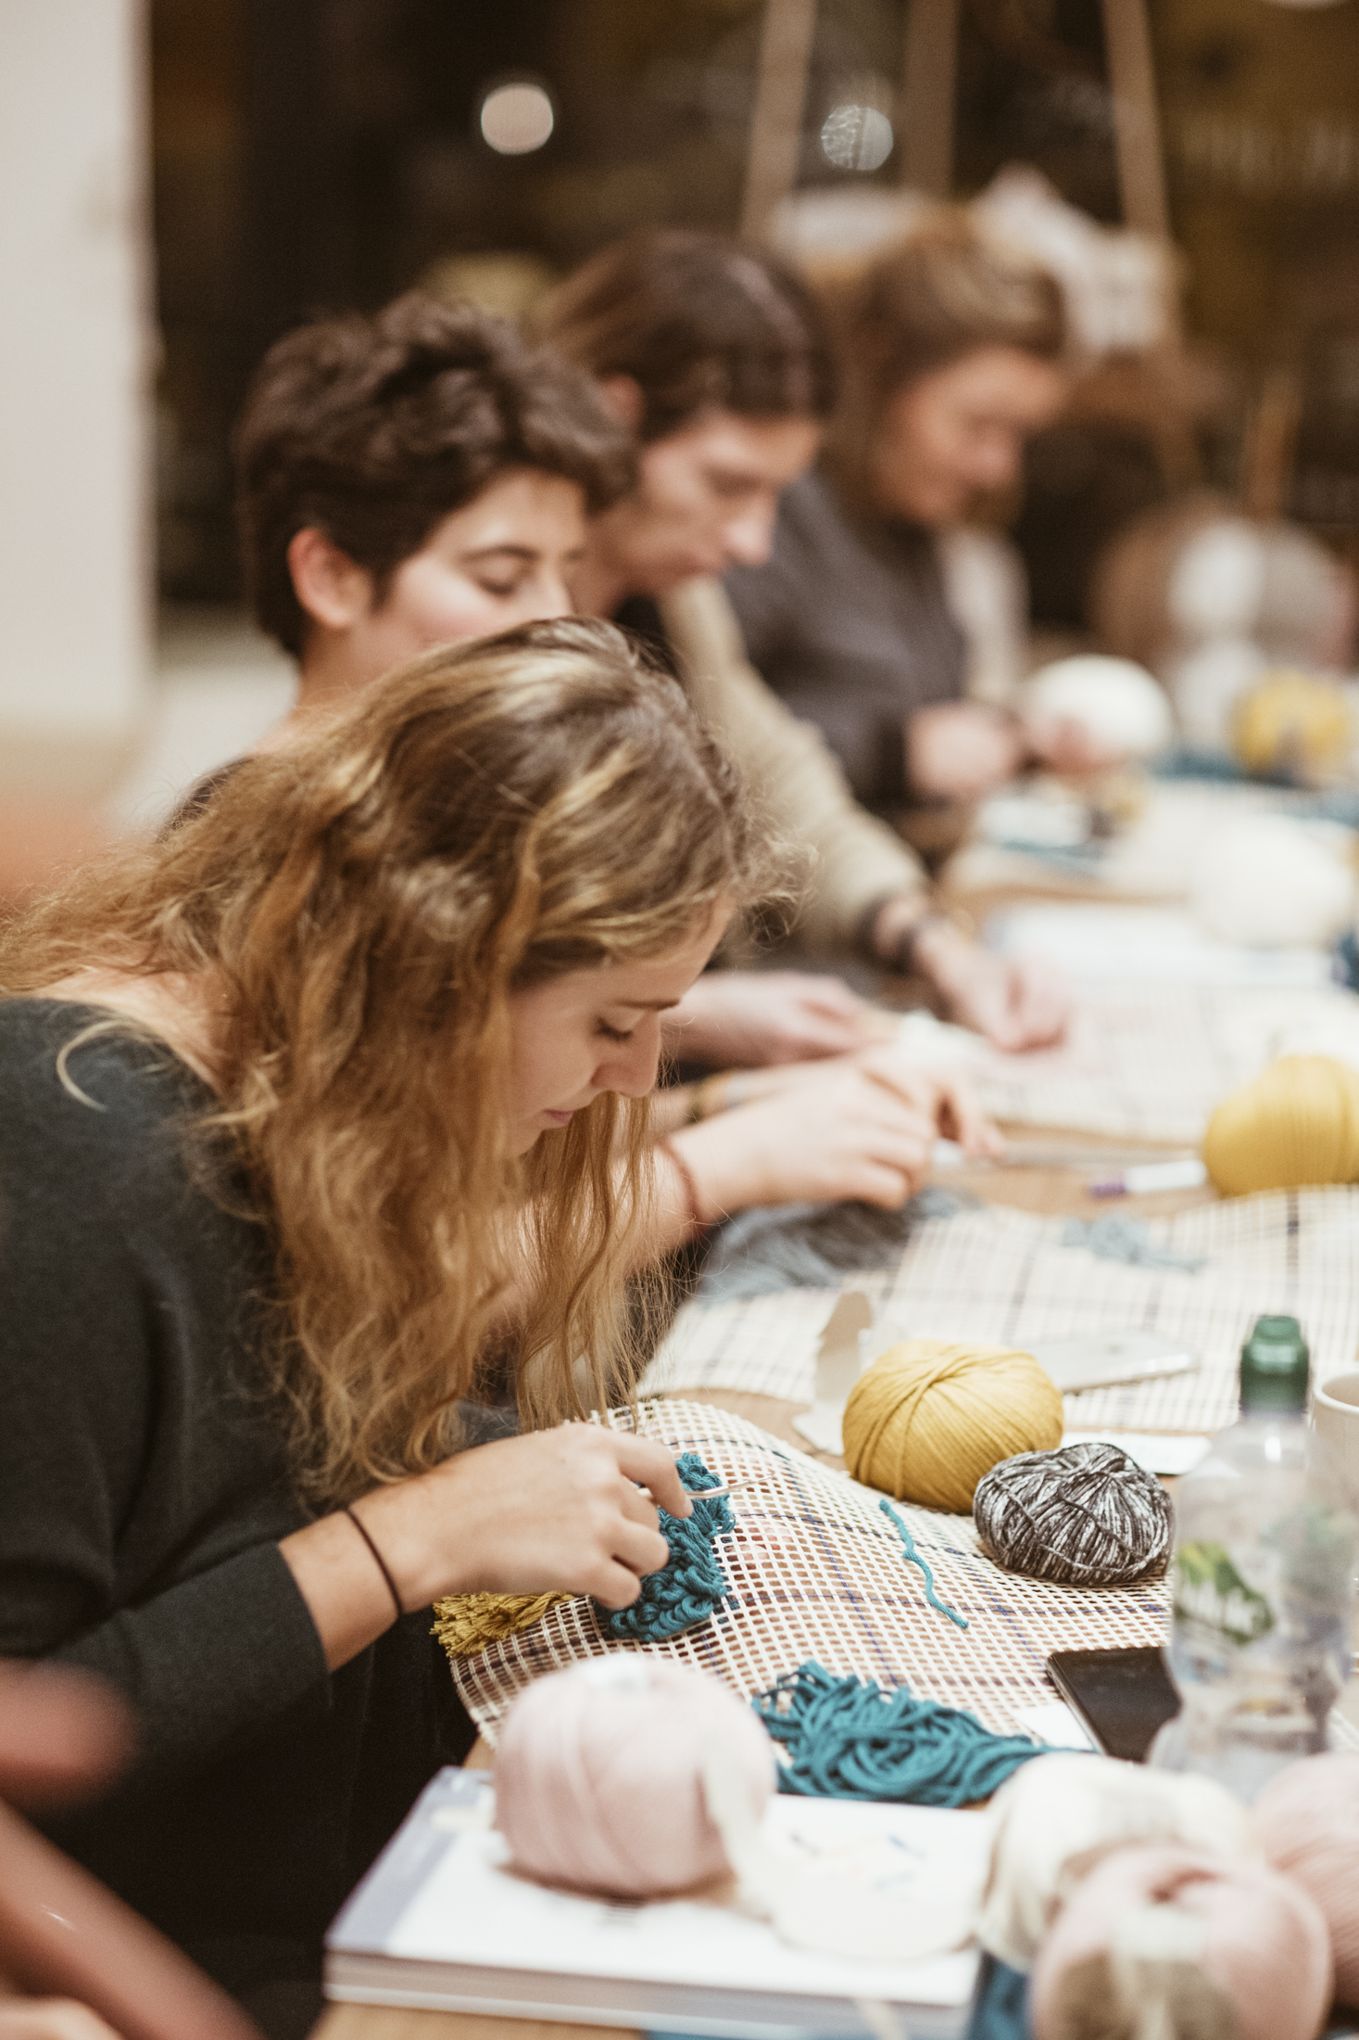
[858,860]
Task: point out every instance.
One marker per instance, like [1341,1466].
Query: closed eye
[619,1034]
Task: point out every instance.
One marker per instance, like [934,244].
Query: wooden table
[1051,1191]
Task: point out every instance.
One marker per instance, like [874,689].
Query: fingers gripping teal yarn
[913,1558]
[692,1586]
[851,1739]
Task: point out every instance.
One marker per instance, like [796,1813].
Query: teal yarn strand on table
[692,1586]
[852,1739]
[913,1557]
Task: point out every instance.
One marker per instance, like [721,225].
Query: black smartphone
[1121,1696]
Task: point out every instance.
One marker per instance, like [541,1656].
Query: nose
[998,463]
[545,598]
[632,1067]
[749,537]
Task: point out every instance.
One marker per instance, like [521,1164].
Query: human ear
[331,588]
[623,395]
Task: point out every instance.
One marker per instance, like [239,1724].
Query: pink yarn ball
[1163,1940]
[1308,1820]
[600,1776]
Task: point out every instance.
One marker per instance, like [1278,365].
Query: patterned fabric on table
[816,1570]
[1004,1277]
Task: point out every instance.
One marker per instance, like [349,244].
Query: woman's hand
[1015,1003]
[866,1130]
[741,1018]
[551,1511]
[961,751]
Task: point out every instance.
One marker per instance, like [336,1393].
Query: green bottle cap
[1274,1366]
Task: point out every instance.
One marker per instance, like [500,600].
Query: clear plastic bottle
[1262,1583]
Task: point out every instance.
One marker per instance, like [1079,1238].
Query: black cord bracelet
[378,1560]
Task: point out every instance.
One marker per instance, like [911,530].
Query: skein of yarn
[1293,722]
[1308,1819]
[1164,1944]
[929,1418]
[601,1776]
[1058,1817]
[1272,883]
[1086,1514]
[1117,706]
[1298,1123]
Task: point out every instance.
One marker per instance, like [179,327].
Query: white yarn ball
[1206,684]
[1217,583]
[1270,883]
[1115,703]
[1059,1816]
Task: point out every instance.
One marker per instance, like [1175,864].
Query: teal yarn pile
[692,1586]
[852,1739]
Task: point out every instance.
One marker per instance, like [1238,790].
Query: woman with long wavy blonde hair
[307,1113]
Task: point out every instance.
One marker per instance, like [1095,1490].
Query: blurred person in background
[75,1964]
[952,352]
[420,476]
[716,358]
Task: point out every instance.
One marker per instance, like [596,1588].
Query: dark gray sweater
[143,1491]
[850,623]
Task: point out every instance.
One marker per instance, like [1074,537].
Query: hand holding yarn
[929,1418]
[600,1777]
[1307,1818]
[559,1510]
[1164,1944]
[1061,1815]
[1087,1515]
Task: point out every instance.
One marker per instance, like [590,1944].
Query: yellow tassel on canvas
[467,1623]
[1298,722]
[1296,1124]
[929,1419]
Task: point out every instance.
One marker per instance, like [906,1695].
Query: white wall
[75,387]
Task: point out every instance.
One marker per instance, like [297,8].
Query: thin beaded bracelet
[378,1560]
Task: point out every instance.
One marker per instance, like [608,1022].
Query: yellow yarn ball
[1293,721]
[1296,1124]
[929,1419]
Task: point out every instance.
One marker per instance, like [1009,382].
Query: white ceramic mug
[1335,1417]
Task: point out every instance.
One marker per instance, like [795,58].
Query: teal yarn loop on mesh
[851,1739]
[913,1557]
[692,1586]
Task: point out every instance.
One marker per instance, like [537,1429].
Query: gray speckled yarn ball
[1085,1514]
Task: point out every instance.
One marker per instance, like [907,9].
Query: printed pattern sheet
[816,1570]
[1007,1278]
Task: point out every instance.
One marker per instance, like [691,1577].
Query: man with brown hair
[413,477]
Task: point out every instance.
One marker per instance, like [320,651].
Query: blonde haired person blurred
[309,1113]
[952,350]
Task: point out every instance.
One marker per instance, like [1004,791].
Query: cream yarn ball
[1163,1942]
[1059,1816]
[929,1418]
[1308,1819]
[603,1775]
[1116,705]
[1271,883]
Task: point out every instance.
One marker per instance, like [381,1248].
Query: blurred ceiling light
[856,137]
[517,118]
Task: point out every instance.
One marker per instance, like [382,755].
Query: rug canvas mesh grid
[817,1571]
[1006,1278]
[1152,1063]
